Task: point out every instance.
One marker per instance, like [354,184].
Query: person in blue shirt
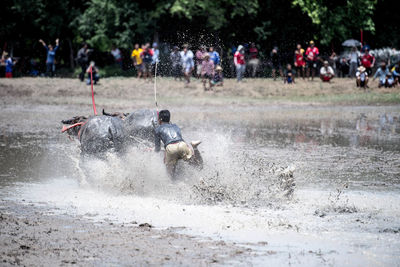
[214,56]
[384,75]
[156,58]
[9,66]
[51,54]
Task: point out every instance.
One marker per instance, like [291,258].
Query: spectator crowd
[244,60]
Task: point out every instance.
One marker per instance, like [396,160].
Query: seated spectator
[326,72]
[382,73]
[396,74]
[207,70]
[92,71]
[218,79]
[289,74]
[389,81]
[362,77]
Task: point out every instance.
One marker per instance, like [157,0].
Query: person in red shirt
[368,61]
[254,62]
[299,61]
[312,53]
[240,63]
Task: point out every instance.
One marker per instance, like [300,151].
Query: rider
[175,146]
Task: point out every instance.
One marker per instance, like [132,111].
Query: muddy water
[341,209]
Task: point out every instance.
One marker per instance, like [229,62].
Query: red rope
[91,81]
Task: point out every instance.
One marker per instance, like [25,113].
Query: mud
[284,182]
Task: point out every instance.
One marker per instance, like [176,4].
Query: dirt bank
[131,91]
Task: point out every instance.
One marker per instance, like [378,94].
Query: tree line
[224,24]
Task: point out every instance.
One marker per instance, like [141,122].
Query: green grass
[362,98]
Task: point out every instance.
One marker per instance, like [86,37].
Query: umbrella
[351,43]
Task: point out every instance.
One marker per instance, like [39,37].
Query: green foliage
[339,19]
[217,13]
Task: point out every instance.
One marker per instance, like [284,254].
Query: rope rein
[155,87]
[91,81]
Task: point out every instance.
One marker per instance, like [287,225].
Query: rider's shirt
[167,133]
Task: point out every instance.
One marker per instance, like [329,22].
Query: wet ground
[243,208]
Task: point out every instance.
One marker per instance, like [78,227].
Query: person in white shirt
[353,59]
[187,62]
[326,73]
[156,58]
[116,53]
[362,77]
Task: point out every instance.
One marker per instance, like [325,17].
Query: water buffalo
[112,130]
[140,126]
[97,133]
[115,131]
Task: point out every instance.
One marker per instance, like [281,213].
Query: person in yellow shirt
[137,60]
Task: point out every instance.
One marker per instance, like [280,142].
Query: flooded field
[283,184]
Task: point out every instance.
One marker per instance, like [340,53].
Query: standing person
[175,147]
[137,60]
[299,61]
[368,61]
[365,47]
[326,72]
[9,65]
[176,63]
[156,58]
[199,60]
[147,58]
[362,77]
[214,55]
[207,71]
[254,62]
[276,63]
[83,60]
[116,53]
[187,62]
[343,67]
[51,55]
[240,63]
[353,59]
[312,53]
[333,58]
